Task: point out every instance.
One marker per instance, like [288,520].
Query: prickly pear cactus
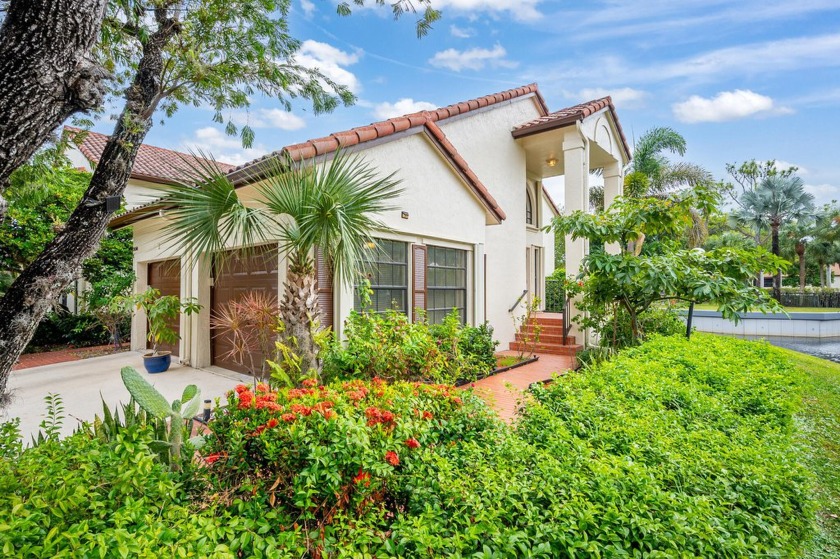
[149,399]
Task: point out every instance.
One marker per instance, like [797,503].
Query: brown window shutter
[325,289]
[418,255]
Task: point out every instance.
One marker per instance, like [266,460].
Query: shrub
[392,347]
[616,331]
[80,330]
[333,460]
[82,497]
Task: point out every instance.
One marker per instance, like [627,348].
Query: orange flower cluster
[376,416]
[392,458]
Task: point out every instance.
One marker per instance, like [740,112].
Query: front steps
[550,327]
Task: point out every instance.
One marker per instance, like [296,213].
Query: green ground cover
[713,447]
[818,422]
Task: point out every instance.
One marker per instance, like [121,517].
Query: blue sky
[740,80]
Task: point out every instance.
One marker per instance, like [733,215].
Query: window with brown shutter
[386,268]
[418,255]
[325,289]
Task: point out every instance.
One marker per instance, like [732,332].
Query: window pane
[446,280]
[386,267]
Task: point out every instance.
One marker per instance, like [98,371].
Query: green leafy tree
[161,54]
[645,273]
[775,201]
[330,207]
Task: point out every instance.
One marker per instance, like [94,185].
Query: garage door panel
[240,275]
[166,277]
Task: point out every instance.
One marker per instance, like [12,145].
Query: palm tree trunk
[299,313]
[777,279]
[800,252]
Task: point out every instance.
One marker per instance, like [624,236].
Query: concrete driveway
[84,384]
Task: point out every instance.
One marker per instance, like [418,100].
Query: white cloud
[461,32]
[224,148]
[726,105]
[522,10]
[406,106]
[823,193]
[330,61]
[308,7]
[472,59]
[623,97]
[268,118]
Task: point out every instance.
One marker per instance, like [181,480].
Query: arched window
[529,207]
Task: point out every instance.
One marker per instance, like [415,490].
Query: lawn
[819,427]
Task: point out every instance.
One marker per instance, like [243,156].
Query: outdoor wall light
[551,162]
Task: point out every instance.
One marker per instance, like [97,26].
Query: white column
[613,188]
[576,170]
[138,318]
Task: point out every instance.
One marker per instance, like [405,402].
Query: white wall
[484,139]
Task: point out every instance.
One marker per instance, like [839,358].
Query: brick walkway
[29,360]
[505,390]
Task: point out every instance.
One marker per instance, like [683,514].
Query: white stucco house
[467,232]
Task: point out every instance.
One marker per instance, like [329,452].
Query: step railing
[516,304]
[567,319]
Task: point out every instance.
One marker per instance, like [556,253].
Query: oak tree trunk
[46,73]
[31,295]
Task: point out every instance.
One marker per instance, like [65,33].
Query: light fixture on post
[551,162]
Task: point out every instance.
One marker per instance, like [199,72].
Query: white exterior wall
[484,139]
[442,211]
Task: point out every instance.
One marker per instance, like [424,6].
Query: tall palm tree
[330,207]
[662,174]
[825,247]
[777,200]
[796,237]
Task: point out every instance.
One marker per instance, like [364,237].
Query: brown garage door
[166,277]
[238,276]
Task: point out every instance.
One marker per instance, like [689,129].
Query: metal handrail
[567,321]
[524,293]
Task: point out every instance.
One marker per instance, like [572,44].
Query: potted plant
[160,311]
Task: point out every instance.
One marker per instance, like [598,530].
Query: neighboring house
[153,167]
[467,232]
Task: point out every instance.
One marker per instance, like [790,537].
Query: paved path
[505,390]
[84,384]
[29,360]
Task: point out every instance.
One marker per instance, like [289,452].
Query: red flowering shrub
[317,453]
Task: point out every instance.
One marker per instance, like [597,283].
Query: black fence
[821,299]
[554,295]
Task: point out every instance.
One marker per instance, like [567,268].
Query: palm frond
[333,206]
[207,217]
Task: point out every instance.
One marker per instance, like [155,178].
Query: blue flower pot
[157,363]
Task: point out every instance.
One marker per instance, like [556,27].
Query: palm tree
[825,248]
[662,174]
[305,206]
[775,201]
[796,237]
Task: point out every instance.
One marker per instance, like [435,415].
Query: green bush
[330,463]
[617,332]
[673,449]
[79,330]
[82,497]
[392,347]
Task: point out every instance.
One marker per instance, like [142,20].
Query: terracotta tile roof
[251,171]
[463,168]
[377,130]
[569,115]
[153,164]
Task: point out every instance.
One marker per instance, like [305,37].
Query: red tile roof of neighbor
[569,115]
[153,164]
